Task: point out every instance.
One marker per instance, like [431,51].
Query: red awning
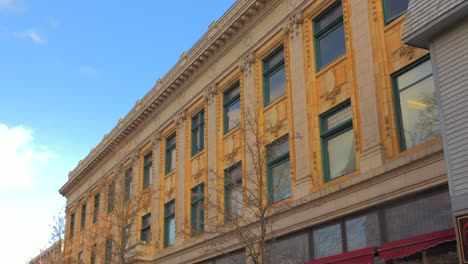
[409,246]
[362,256]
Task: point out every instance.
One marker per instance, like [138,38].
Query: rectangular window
[96,208]
[278,170]
[415,105]
[231,106]
[170,153]
[197,209]
[148,170]
[198,132]
[327,241]
[337,136]
[72,225]
[110,197]
[362,232]
[169,224]
[83,217]
[128,185]
[293,249]
[329,36]
[127,236]
[233,195]
[108,251]
[92,259]
[80,257]
[146,228]
[394,9]
[274,76]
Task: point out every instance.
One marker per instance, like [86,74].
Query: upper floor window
[169,224]
[110,197]
[233,194]
[198,132]
[416,106]
[72,225]
[171,153]
[92,259]
[274,76]
[337,135]
[231,108]
[96,208]
[128,185]
[329,36]
[197,209]
[127,236]
[147,170]
[278,170]
[145,234]
[83,217]
[393,9]
[108,251]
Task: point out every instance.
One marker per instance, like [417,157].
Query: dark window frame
[71,229]
[228,103]
[96,207]
[147,169]
[110,197]
[389,20]
[198,129]
[319,34]
[267,73]
[168,217]
[169,149]
[128,185]
[228,186]
[83,217]
[145,233]
[274,162]
[197,202]
[108,251]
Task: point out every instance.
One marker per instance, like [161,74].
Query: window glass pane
[234,176]
[171,141]
[275,59]
[329,18]
[172,159]
[341,154]
[415,74]
[327,241]
[278,148]
[276,85]
[418,217]
[338,118]
[235,198]
[171,228]
[291,250]
[281,176]
[231,93]
[233,115]
[394,8]
[331,46]
[362,232]
[419,113]
[236,258]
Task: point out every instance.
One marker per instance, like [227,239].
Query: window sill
[232,131]
[197,155]
[332,64]
[172,172]
[394,22]
[274,102]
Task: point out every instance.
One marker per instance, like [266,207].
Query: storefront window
[328,241]
[290,250]
[362,232]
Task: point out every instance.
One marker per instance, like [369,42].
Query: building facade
[52,255]
[347,117]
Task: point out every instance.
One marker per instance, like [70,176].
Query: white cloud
[32,35]
[88,71]
[21,159]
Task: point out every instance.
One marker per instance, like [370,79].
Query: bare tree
[252,198]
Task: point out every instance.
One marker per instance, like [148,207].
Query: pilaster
[180,180]
[372,154]
[157,191]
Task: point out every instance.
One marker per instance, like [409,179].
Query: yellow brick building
[332,90]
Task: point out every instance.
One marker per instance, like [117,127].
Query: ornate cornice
[219,34]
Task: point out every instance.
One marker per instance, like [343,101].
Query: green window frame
[428,121]
[231,98]
[108,251]
[337,124]
[232,183]
[80,257]
[145,234]
[171,143]
[110,197]
[273,65]
[83,217]
[96,208]
[72,225]
[327,23]
[148,170]
[388,18]
[197,212]
[278,184]
[92,258]
[127,236]
[128,185]
[169,219]
[198,132]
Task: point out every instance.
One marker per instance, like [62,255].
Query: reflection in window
[169,224]
[231,105]
[362,232]
[198,132]
[148,170]
[274,77]
[171,153]
[233,192]
[329,36]
[290,250]
[337,135]
[417,110]
[327,241]
[279,170]
[393,9]
[197,209]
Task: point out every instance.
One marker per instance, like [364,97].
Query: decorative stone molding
[210,93]
[404,51]
[180,119]
[333,90]
[156,139]
[374,10]
[246,64]
[293,26]
[135,156]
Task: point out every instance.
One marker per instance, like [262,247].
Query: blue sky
[69,70]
